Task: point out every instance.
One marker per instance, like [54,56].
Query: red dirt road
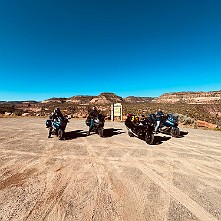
[111,178]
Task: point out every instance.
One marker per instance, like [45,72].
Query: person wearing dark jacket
[56,115]
[92,115]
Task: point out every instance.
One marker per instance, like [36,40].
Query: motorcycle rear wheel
[175,132]
[130,133]
[149,138]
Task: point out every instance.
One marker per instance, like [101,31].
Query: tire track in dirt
[216,145]
[133,194]
[105,207]
[134,202]
[178,195]
[62,186]
[122,178]
[15,166]
[49,198]
[56,183]
[169,175]
[40,165]
[193,149]
[172,156]
[200,166]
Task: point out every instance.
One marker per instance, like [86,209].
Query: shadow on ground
[109,132]
[182,134]
[159,139]
[74,134]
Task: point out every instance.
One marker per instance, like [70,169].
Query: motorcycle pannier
[88,122]
[48,123]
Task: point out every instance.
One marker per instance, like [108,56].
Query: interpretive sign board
[116,111]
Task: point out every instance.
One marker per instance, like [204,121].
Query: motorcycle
[168,124]
[98,124]
[57,127]
[144,130]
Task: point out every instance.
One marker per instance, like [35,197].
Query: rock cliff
[190,97]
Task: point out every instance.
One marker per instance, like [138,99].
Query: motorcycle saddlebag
[48,123]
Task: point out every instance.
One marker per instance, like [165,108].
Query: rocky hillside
[55,100]
[106,98]
[132,99]
[204,106]
[80,99]
[101,99]
[190,97]
[109,98]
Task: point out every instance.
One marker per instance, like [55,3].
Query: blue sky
[142,48]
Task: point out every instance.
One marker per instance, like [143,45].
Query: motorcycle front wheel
[149,138]
[49,132]
[101,132]
[60,134]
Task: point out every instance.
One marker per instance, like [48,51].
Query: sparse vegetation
[185,120]
[78,106]
[188,112]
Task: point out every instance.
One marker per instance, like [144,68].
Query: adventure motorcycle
[168,124]
[57,127]
[144,130]
[98,124]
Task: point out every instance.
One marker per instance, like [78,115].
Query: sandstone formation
[55,100]
[80,99]
[101,99]
[106,98]
[190,97]
[133,99]
[204,106]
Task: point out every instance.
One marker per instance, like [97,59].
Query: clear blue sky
[142,48]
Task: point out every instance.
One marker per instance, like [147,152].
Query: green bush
[18,112]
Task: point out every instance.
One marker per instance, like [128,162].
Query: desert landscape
[69,68]
[190,106]
[112,178]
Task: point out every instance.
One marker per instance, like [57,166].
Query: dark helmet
[57,110]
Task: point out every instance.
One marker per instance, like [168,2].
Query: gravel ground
[112,178]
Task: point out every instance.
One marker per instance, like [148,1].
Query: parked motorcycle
[144,130]
[168,124]
[57,127]
[98,124]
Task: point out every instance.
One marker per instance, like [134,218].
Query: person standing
[92,115]
[159,115]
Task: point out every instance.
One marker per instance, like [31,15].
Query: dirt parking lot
[112,178]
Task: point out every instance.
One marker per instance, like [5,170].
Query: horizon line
[28,100]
